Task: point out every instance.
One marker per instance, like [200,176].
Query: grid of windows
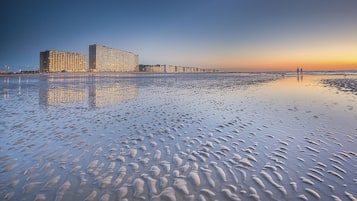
[58,61]
[105,59]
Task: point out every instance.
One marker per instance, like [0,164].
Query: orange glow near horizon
[312,50]
[330,58]
[284,64]
[291,66]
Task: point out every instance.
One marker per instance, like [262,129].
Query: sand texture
[178,137]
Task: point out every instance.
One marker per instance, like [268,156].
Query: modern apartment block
[106,59]
[58,61]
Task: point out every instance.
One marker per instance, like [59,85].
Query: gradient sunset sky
[238,35]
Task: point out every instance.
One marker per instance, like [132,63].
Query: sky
[232,35]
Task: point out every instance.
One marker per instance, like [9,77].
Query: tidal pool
[177,137]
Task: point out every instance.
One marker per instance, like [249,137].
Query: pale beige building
[106,59]
[173,69]
[59,61]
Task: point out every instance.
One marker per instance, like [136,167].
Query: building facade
[106,59]
[58,61]
[173,69]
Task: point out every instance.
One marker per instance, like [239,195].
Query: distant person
[297,71]
[300,70]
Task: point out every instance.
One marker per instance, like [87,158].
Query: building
[173,69]
[152,68]
[58,61]
[106,59]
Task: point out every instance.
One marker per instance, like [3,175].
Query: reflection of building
[60,96]
[102,95]
[97,91]
[61,91]
[172,69]
[102,58]
[58,61]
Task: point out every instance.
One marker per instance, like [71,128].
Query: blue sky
[229,34]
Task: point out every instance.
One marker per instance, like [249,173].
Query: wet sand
[178,137]
[344,84]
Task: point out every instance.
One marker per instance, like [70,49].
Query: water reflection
[300,78]
[103,94]
[91,90]
[12,86]
[60,90]
[5,90]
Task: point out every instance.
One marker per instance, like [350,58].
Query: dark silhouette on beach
[299,74]
[299,71]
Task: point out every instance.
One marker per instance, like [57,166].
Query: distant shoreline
[283,73]
[106,73]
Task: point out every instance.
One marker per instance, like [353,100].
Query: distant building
[173,69]
[152,68]
[105,59]
[58,61]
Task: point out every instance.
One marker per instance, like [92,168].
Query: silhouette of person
[297,71]
[300,70]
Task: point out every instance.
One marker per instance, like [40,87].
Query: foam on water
[176,137]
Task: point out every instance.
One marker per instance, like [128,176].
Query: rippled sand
[344,84]
[176,137]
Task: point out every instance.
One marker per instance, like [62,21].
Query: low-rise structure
[173,69]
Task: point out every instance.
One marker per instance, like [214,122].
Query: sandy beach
[343,84]
[178,137]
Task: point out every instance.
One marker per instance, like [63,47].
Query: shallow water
[176,137]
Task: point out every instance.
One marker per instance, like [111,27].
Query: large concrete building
[106,59]
[58,61]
